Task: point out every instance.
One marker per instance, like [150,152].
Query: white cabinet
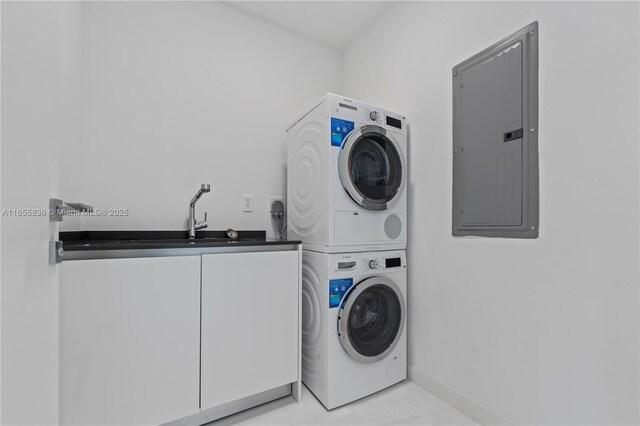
[152,340]
[129,340]
[250,323]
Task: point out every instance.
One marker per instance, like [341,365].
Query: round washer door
[372,168]
[371,319]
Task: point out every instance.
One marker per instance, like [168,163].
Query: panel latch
[512,135]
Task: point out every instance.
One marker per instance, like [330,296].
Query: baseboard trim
[471,408]
[230,408]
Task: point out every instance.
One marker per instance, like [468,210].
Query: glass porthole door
[371,319]
[371,167]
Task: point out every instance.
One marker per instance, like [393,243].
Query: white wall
[40,65]
[182,93]
[538,331]
[542,331]
[132,105]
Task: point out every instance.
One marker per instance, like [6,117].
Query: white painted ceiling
[334,23]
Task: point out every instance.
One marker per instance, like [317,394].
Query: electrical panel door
[495,151]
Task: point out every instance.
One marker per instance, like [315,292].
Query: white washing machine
[347,177]
[353,324]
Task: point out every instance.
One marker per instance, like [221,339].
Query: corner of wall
[468,406]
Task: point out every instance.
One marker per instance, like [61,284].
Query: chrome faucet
[194,225]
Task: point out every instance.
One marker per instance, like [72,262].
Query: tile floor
[403,404]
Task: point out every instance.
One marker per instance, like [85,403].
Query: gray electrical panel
[495,139]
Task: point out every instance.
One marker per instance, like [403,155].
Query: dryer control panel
[358,112]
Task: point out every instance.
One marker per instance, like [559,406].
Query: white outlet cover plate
[247,203]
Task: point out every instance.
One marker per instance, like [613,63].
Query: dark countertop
[148,240]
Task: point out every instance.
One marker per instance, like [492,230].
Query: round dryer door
[372,167]
[371,319]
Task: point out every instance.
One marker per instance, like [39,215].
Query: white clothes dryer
[347,177]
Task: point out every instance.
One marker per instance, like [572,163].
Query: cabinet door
[129,340]
[249,324]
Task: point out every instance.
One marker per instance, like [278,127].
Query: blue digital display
[337,289]
[339,130]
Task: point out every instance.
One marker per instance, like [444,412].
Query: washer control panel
[383,262]
[349,265]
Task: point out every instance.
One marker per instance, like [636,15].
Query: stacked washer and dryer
[347,203]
